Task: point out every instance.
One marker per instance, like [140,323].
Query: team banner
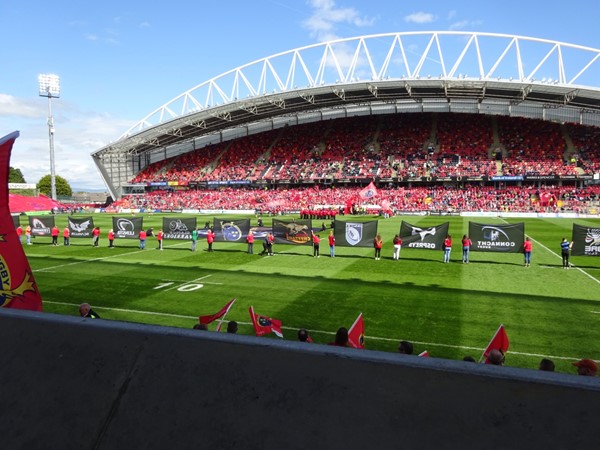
[506,238]
[41,225]
[19,290]
[431,238]
[355,234]
[296,232]
[586,241]
[80,227]
[231,230]
[127,228]
[178,229]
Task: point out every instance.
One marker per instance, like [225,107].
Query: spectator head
[84,309]
[302,335]
[586,367]
[469,359]
[232,327]
[341,337]
[200,326]
[405,347]
[496,358]
[546,365]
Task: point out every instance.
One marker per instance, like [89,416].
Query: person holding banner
[447,248]
[565,250]
[466,247]
[527,247]
[378,243]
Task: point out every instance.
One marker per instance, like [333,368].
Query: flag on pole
[19,290]
[424,354]
[369,192]
[499,342]
[218,315]
[265,325]
[356,333]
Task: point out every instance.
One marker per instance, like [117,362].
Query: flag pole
[222,319]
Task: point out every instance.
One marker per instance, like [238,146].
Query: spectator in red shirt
[331,244]
[96,236]
[54,233]
[447,248]
[111,239]
[378,243]
[466,247]
[250,241]
[210,238]
[142,237]
[397,247]
[159,238]
[67,236]
[316,244]
[527,247]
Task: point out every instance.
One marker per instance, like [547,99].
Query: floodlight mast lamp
[50,87]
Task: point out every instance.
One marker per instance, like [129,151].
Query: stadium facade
[393,73]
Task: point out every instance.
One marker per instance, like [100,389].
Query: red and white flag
[499,342]
[218,315]
[265,325]
[356,333]
[424,353]
[19,290]
[369,192]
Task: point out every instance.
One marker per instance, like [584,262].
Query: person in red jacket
[466,246]
[447,248]
[316,244]
[67,236]
[96,236]
[143,235]
[527,247]
[159,238]
[54,233]
[397,247]
[210,238]
[20,233]
[250,241]
[111,239]
[378,243]
[331,244]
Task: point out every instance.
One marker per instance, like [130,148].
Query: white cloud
[327,16]
[464,24]
[451,14]
[420,17]
[144,25]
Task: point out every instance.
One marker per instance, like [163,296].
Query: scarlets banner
[231,230]
[296,232]
[41,225]
[180,229]
[429,238]
[355,234]
[506,238]
[127,228]
[80,227]
[586,241]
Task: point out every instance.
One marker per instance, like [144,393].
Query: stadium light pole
[50,87]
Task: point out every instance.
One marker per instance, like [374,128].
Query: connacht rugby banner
[19,290]
[506,238]
[231,230]
[292,232]
[355,234]
[127,228]
[431,238]
[80,227]
[181,229]
[41,225]
[586,241]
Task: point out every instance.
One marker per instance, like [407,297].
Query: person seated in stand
[341,338]
[546,365]
[85,310]
[232,327]
[586,367]
[405,347]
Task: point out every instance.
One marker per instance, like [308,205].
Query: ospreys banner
[127,228]
[355,234]
[41,225]
[231,230]
[19,290]
[180,229]
[497,238]
[296,232]
[80,227]
[586,241]
[430,238]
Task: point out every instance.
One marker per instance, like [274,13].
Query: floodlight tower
[50,87]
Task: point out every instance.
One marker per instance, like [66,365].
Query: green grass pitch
[451,310]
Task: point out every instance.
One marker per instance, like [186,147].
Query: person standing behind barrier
[159,238]
[111,239]
[397,246]
[210,238]
[378,243]
[194,239]
[527,247]
[67,236]
[466,248]
[250,241]
[54,232]
[331,244]
[95,236]
[316,244]
[143,235]
[447,248]
[565,250]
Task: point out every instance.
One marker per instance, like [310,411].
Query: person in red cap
[586,367]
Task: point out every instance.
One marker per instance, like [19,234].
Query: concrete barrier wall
[72,383]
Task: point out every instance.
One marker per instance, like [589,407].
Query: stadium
[440,133]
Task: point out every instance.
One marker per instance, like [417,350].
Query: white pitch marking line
[186,282]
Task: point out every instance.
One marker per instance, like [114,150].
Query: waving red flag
[19,290]
[265,325]
[499,342]
[356,333]
[369,192]
[218,315]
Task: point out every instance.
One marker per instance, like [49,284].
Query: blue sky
[120,60]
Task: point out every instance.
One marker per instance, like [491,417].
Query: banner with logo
[127,228]
[231,230]
[41,225]
[430,238]
[296,232]
[355,234]
[586,241]
[80,227]
[19,290]
[507,238]
[179,229]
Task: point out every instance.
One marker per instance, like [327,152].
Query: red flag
[265,325]
[369,192]
[221,313]
[356,333]
[19,290]
[499,342]
[424,353]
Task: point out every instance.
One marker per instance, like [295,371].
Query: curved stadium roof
[444,71]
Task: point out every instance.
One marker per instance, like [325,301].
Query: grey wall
[72,383]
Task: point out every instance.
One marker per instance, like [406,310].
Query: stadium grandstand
[483,112]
